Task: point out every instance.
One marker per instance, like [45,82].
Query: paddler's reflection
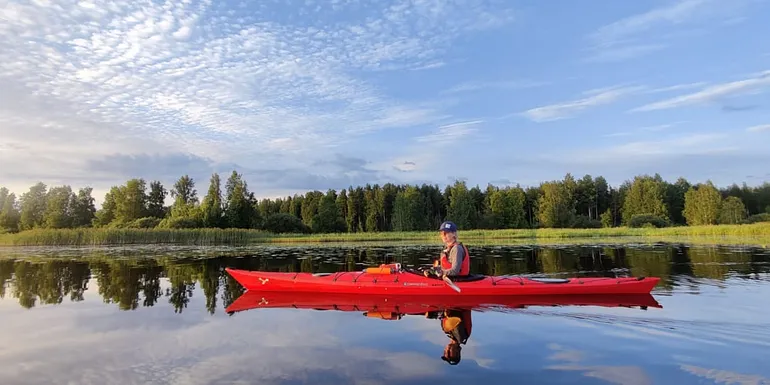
[457,325]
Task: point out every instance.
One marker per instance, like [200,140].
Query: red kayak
[392,280]
[396,306]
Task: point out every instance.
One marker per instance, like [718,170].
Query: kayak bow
[391,279]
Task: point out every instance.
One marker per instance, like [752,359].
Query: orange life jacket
[465,265]
[457,325]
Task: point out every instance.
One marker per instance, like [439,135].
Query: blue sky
[302,95]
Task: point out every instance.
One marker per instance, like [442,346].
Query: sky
[311,95]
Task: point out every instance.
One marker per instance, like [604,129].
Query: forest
[588,202]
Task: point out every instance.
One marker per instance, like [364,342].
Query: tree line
[588,202]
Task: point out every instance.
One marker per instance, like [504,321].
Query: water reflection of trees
[47,282]
[143,282]
[6,272]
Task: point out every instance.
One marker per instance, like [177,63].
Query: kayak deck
[409,282]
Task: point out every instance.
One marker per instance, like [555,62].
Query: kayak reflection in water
[455,258]
[457,325]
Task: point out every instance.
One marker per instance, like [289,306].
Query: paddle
[451,284]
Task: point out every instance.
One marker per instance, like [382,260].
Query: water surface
[157,315]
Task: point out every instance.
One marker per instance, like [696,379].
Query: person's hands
[425,272]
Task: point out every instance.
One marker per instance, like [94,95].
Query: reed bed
[208,236]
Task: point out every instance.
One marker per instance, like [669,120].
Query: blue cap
[448,226]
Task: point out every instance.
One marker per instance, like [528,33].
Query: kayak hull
[413,283]
[417,305]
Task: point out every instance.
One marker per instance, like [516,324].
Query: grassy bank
[758,232]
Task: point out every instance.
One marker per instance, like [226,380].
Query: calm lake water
[145,315]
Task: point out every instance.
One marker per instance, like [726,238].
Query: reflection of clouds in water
[721,336]
[726,377]
[626,375]
[313,366]
[564,354]
[260,347]
[691,320]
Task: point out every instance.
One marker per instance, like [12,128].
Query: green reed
[212,236]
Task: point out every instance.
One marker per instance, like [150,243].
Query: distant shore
[757,233]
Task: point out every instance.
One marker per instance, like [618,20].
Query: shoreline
[753,234]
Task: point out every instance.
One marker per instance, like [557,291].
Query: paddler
[457,325]
[455,258]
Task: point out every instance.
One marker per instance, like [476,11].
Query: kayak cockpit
[549,280]
[467,278]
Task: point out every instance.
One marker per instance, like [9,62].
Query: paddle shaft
[451,284]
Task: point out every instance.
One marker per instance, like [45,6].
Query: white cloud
[616,134]
[429,150]
[483,85]
[759,128]
[593,98]
[429,66]
[624,53]
[642,150]
[676,87]
[752,85]
[658,127]
[450,132]
[647,32]
[406,166]
[641,130]
[79,83]
[675,13]
[688,152]
[684,144]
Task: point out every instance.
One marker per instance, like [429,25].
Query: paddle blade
[451,284]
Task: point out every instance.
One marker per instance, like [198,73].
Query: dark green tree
[355,212]
[33,205]
[732,211]
[409,210]
[555,206]
[185,198]
[58,210]
[9,215]
[83,208]
[212,207]
[702,204]
[645,197]
[328,219]
[3,195]
[131,201]
[462,206]
[156,200]
[507,208]
[342,206]
[239,211]
[675,199]
[586,199]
